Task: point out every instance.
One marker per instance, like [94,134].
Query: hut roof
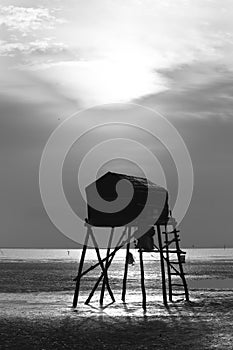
[139,183]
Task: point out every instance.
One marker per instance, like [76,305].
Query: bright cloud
[119,50]
[25,19]
[34,47]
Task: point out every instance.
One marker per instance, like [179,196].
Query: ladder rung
[177,294]
[168,232]
[175,262]
[177,285]
[175,273]
[176,251]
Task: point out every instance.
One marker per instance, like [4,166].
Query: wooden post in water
[76,293]
[168,264]
[126,266]
[162,265]
[142,280]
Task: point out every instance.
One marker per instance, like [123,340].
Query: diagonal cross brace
[111,255]
[101,264]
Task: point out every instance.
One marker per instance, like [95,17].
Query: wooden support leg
[76,293]
[168,265]
[126,266]
[106,266]
[102,266]
[142,280]
[162,265]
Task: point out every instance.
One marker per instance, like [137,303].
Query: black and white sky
[58,57]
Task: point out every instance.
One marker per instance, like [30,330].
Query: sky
[57,58]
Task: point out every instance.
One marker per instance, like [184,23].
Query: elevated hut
[134,216]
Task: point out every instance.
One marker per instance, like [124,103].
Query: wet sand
[205,323]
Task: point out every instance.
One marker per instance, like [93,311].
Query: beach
[36,296]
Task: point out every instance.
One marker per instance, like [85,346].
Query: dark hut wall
[106,187]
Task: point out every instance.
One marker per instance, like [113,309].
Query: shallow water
[47,275]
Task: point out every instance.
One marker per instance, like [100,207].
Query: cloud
[26,19]
[127,46]
[37,47]
[120,51]
[201,90]
[26,39]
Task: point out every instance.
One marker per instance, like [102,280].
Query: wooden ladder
[174,266]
